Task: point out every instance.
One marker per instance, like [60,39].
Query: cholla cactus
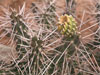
[20,30]
[67,25]
[28,48]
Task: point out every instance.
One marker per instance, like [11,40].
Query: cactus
[33,44]
[53,50]
[66,26]
[47,17]
[29,50]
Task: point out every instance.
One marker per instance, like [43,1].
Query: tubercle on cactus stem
[67,25]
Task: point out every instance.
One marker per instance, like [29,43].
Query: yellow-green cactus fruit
[67,25]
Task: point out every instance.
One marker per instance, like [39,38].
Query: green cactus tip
[67,25]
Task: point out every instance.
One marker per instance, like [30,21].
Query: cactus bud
[67,25]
